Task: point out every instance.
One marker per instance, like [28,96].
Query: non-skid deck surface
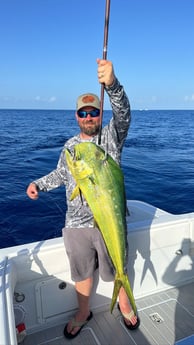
[166,318]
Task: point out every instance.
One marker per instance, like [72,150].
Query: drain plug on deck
[62,285]
[156,318]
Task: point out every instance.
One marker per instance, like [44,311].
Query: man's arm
[121,109]
[118,98]
[54,179]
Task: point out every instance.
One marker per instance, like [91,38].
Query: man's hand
[105,72]
[32,191]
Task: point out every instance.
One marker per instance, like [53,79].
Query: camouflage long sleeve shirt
[112,139]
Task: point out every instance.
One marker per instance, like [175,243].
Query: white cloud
[52,99]
[46,100]
[189,98]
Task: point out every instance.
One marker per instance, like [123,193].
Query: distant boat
[37,296]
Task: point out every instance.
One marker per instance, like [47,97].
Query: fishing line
[59,211]
[105,45]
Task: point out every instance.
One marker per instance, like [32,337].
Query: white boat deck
[36,287]
[166,318]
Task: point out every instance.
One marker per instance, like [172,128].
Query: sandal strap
[75,323]
[128,316]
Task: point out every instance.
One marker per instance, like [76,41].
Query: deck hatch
[49,307]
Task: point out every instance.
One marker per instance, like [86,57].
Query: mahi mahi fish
[101,182]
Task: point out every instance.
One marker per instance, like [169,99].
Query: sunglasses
[93,113]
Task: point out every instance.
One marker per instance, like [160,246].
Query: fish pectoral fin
[86,172]
[76,192]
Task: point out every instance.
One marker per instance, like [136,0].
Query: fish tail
[123,281]
[117,286]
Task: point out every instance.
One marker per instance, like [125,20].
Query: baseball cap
[88,99]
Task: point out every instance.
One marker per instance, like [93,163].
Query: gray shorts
[87,251]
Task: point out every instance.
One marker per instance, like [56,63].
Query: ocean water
[158,164]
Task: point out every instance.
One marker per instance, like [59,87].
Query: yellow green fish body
[100,180]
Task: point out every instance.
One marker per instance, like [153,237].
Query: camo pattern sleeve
[121,109]
[112,139]
[54,179]
[115,133]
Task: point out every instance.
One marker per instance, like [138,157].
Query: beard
[89,127]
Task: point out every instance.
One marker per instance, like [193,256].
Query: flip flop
[74,324]
[128,316]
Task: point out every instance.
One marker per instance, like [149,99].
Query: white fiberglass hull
[35,284]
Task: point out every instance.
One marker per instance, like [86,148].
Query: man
[84,244]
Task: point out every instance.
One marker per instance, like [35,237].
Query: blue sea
[158,164]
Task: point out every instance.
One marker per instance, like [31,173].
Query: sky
[48,52]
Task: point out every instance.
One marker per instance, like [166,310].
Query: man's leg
[83,290]
[125,306]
